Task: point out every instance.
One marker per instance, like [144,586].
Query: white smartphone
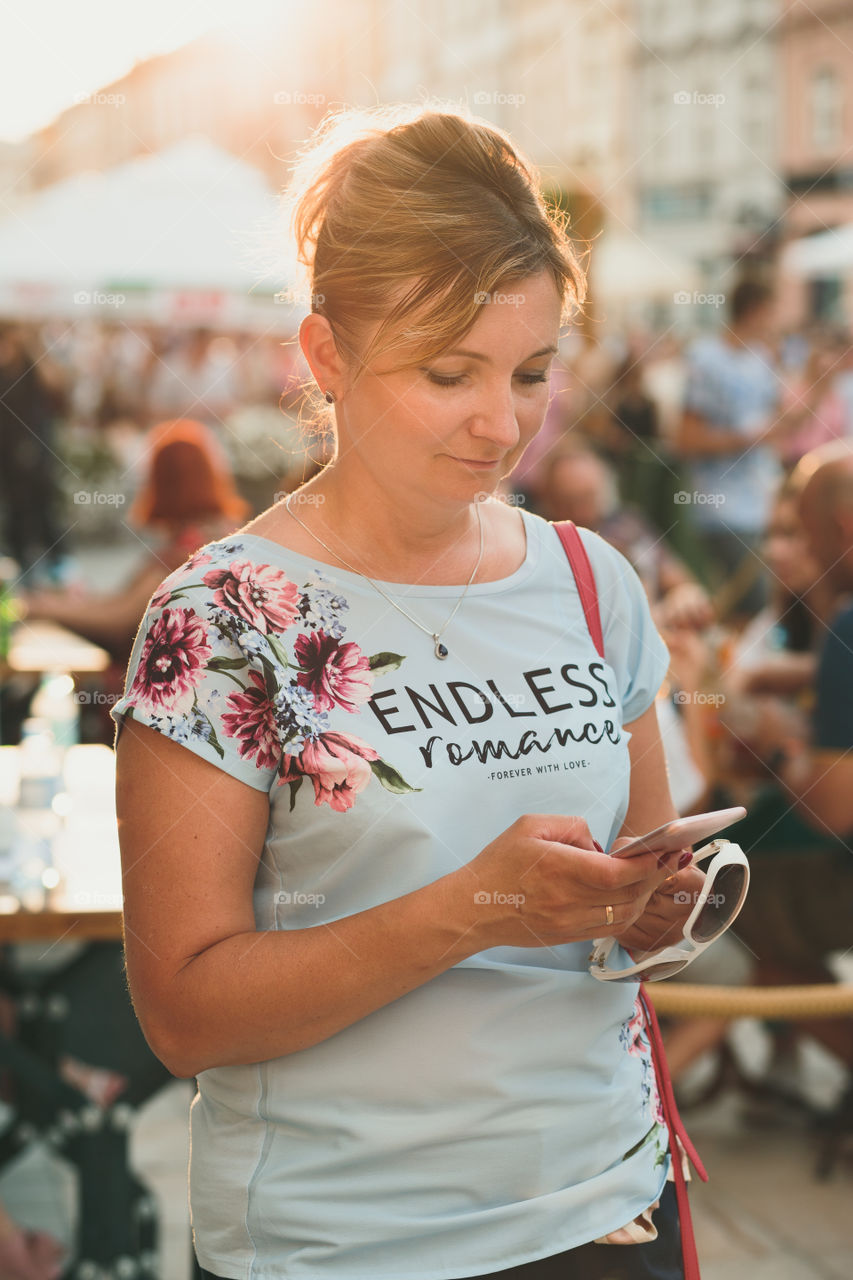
[681,832]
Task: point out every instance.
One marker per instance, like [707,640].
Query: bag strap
[568,534]
[678,1139]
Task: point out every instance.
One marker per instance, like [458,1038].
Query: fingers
[603,872]
[557,828]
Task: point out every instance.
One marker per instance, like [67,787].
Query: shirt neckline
[533,526]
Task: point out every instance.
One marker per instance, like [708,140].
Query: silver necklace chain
[441,650]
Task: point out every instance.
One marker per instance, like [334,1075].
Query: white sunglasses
[718,904]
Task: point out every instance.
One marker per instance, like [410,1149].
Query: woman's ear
[320,350]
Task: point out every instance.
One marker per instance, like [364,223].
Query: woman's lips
[477,464]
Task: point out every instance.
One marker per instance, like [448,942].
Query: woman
[362,876]
[188,497]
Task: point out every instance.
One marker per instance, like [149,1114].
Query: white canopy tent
[191,233]
[626,267]
[829,253]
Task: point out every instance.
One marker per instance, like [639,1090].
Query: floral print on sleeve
[278,715]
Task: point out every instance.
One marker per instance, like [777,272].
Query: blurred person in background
[31,399]
[844,379]
[770,668]
[800,906]
[731,405]
[188,498]
[195,376]
[580,485]
[815,409]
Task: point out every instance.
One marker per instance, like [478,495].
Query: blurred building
[816,42]
[553,73]
[705,112]
[668,128]
[250,98]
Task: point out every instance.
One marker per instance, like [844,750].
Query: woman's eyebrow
[478,355]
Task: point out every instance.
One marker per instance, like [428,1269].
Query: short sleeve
[204,673]
[833,714]
[633,646]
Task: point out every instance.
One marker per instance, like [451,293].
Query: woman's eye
[444,379]
[456,380]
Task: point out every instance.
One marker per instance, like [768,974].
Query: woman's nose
[497,420]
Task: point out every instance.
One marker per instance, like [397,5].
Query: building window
[826,109]
[676,203]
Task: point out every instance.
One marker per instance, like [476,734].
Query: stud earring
[330,397]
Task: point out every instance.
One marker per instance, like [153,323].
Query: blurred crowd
[685,455]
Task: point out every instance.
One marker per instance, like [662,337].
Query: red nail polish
[685,859]
[598,846]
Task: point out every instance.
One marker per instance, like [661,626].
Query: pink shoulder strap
[584,578]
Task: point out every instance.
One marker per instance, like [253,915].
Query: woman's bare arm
[210,990]
[651,805]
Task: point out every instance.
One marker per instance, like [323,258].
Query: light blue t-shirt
[507,1109]
[735,389]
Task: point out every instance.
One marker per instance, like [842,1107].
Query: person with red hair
[188,498]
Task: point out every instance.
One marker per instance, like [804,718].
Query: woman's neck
[394,536]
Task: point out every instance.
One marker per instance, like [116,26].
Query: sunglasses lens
[723,901]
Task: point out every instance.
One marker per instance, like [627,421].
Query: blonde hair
[408,219]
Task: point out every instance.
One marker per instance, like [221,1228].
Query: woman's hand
[543,882]
[662,921]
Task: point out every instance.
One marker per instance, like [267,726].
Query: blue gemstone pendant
[441,650]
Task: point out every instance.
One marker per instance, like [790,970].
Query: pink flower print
[172,661]
[336,674]
[338,765]
[263,596]
[167,588]
[252,722]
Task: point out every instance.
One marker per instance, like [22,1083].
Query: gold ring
[608,915]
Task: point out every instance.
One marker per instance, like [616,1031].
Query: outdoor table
[86,903]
